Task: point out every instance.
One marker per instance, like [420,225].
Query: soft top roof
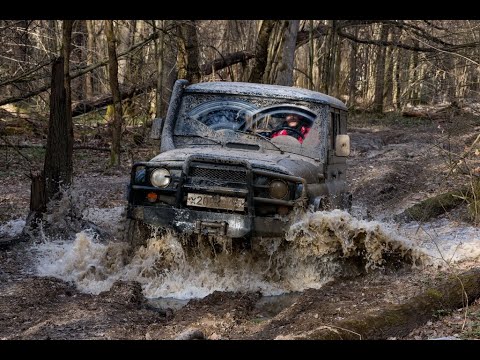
[265,90]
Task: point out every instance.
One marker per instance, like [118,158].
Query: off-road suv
[229,164]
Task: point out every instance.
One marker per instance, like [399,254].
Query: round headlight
[160,178]
[278,189]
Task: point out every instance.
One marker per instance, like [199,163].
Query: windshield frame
[248,108]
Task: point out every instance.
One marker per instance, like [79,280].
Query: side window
[277,118]
[334,128]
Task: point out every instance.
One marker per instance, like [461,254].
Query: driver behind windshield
[293,126]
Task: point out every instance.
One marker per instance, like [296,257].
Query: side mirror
[342,145]
[156,131]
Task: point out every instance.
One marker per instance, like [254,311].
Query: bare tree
[160,51]
[115,89]
[380,72]
[284,73]
[425,61]
[89,79]
[261,51]
[58,164]
[328,75]
[188,52]
[352,88]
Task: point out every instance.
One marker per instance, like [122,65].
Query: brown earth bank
[393,165]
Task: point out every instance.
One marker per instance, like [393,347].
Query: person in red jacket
[293,127]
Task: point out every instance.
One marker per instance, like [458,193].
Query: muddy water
[446,243]
[316,249]
[319,247]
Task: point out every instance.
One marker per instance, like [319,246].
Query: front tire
[138,233]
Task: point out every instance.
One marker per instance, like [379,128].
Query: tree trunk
[89,85]
[66,52]
[234,39]
[58,167]
[188,52]
[352,86]
[159,110]
[450,81]
[170,65]
[38,200]
[311,55]
[122,36]
[261,51]
[328,75]
[284,74]
[58,155]
[397,87]
[413,75]
[52,40]
[380,72]
[134,66]
[337,81]
[78,41]
[388,79]
[58,164]
[115,89]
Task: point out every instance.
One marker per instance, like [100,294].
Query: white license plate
[215,202]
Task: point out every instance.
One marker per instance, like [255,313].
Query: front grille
[231,175]
[204,174]
[216,179]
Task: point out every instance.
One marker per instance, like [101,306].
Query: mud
[77,280]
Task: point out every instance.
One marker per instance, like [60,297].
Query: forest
[77,102]
[120,73]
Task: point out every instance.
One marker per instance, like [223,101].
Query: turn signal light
[152,197]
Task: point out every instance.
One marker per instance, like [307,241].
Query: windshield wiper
[261,137]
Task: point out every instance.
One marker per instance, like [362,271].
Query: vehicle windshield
[237,118]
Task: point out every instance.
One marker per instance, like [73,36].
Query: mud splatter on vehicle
[223,169]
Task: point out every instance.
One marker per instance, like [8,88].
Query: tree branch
[225,61]
[21,77]
[406,46]
[81,72]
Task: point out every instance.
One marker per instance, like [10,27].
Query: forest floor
[395,163]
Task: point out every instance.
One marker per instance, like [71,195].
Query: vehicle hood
[286,163]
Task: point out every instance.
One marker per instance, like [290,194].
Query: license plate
[215,202]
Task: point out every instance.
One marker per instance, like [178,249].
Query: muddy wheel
[137,233]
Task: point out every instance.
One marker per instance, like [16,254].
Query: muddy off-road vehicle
[230,165]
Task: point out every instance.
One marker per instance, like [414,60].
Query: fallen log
[86,106]
[225,61]
[433,207]
[417,113]
[399,320]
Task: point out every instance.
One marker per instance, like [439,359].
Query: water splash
[91,265]
[313,252]
[446,243]
[12,228]
[339,233]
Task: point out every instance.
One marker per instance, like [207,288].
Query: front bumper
[205,222]
[217,177]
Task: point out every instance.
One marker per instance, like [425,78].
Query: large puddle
[317,248]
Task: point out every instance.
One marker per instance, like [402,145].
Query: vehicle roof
[265,90]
